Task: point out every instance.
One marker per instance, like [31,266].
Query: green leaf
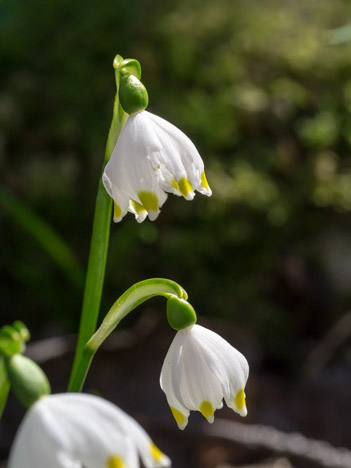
[44,234]
[4,386]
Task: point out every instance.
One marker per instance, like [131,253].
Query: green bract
[132,66]
[180,314]
[132,93]
[28,381]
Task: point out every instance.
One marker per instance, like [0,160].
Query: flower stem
[130,299]
[99,244]
[95,273]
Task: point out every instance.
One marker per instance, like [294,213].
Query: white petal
[129,170]
[226,362]
[170,381]
[178,151]
[200,387]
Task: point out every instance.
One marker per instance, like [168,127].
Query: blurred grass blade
[4,386]
[44,234]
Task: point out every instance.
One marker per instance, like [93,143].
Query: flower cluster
[152,157]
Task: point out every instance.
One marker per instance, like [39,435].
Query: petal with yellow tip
[115,462]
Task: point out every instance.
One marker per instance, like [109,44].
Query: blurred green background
[263,88]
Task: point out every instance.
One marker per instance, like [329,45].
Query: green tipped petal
[132,66]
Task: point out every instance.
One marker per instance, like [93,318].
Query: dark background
[264,91]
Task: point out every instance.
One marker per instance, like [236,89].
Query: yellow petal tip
[204,182]
[149,201]
[239,401]
[180,418]
[156,452]
[206,409]
[117,212]
[185,187]
[115,462]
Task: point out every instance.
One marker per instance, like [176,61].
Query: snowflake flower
[152,157]
[72,430]
[200,369]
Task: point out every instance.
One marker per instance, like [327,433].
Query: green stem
[95,273]
[134,296]
[99,244]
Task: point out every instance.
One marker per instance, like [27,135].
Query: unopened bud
[28,381]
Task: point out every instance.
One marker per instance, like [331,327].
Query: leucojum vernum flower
[152,157]
[71,430]
[146,158]
[201,368]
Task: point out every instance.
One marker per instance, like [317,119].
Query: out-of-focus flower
[72,430]
[152,157]
[200,369]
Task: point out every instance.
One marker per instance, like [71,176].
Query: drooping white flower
[71,430]
[152,157]
[200,369]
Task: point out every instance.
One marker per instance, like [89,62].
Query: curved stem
[130,299]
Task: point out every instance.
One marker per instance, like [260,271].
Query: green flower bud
[28,381]
[132,93]
[180,314]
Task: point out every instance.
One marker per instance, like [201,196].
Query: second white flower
[200,369]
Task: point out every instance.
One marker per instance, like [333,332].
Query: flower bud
[28,381]
[132,93]
[180,314]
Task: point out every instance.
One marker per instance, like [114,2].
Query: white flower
[152,157]
[71,430]
[201,369]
